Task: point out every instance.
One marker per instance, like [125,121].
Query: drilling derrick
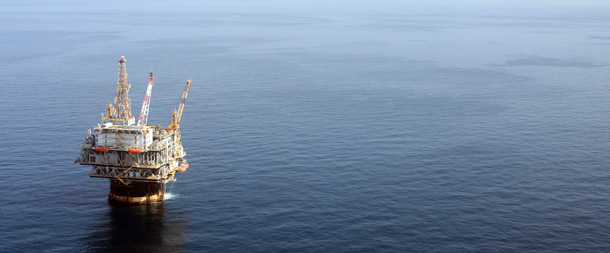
[120,114]
[137,159]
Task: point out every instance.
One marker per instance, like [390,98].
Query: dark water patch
[129,228]
[551,62]
[600,37]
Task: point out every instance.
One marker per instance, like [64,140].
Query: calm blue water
[365,126]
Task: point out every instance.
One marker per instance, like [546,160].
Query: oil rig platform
[138,159]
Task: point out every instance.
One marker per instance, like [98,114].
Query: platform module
[138,159]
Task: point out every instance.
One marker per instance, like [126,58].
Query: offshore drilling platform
[138,159]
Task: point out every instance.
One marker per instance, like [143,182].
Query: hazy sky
[301,5]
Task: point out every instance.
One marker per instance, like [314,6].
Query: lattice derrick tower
[121,109]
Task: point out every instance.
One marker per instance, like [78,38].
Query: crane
[143,120]
[177,113]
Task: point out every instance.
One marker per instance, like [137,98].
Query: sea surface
[365,126]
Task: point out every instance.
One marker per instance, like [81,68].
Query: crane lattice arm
[143,120]
[177,113]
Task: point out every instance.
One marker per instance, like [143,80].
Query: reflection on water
[137,229]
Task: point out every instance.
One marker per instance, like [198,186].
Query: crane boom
[177,113]
[143,120]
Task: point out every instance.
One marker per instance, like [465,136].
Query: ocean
[365,126]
